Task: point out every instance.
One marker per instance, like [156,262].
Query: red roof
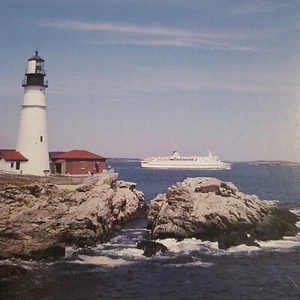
[60,161]
[12,155]
[78,154]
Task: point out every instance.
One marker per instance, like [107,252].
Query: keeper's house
[11,161]
[77,162]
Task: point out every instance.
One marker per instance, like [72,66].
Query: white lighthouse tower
[32,139]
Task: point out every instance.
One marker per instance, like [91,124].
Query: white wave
[70,251]
[187,245]
[129,253]
[242,248]
[129,245]
[116,241]
[101,260]
[137,233]
[28,265]
[197,263]
[285,243]
[296,211]
[273,201]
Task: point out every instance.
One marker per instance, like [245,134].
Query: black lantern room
[35,72]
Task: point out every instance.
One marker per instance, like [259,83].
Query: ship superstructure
[175,161]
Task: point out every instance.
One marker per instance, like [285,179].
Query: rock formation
[209,209]
[39,220]
[150,247]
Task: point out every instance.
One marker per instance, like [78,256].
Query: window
[82,165]
[12,164]
[17,165]
[41,138]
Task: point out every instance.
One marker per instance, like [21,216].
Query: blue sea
[191,269]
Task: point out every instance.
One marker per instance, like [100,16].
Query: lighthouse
[32,138]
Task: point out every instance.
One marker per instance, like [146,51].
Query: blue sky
[134,78]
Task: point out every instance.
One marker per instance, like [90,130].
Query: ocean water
[191,269]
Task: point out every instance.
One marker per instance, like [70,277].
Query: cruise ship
[175,161]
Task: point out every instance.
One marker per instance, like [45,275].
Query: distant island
[122,159]
[274,163]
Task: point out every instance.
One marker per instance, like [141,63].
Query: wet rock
[151,247]
[235,238]
[53,251]
[209,209]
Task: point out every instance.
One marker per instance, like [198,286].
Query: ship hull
[176,165]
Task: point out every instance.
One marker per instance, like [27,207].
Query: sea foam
[100,260]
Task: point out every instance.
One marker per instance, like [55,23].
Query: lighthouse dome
[36,57]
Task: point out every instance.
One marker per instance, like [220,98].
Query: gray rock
[126,184]
[209,209]
[151,247]
[37,221]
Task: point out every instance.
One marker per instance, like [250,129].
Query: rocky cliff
[39,220]
[209,209]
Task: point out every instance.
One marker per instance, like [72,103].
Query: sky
[134,78]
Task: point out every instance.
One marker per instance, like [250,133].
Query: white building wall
[5,166]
